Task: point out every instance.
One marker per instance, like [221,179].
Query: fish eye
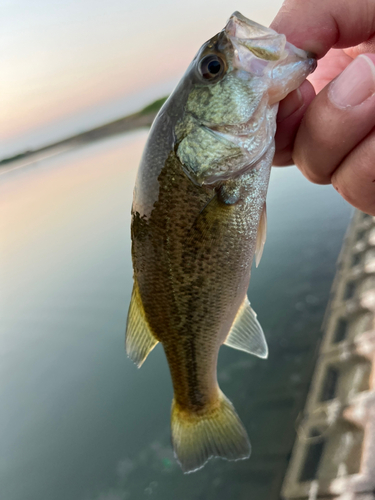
[211,67]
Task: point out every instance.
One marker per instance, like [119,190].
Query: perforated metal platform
[334,454]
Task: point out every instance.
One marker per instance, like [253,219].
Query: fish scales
[185,298]
[198,218]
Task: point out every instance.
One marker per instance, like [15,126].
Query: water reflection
[79,421]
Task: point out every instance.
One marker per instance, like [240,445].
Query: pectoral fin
[246,333]
[261,235]
[139,339]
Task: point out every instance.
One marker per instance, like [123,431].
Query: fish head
[236,80]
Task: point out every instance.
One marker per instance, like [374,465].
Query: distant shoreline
[143,118]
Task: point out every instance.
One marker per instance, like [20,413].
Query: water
[78,421]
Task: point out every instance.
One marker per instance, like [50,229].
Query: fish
[198,220]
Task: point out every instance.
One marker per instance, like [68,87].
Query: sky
[70,65]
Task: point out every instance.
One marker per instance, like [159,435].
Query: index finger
[319,25]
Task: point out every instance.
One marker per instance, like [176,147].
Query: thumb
[336,141]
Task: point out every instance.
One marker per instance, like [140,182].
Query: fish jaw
[262,52]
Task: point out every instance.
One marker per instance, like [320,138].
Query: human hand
[331,136]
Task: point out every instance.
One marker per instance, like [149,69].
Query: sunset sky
[74,64]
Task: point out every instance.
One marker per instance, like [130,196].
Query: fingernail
[355,84]
[289,105]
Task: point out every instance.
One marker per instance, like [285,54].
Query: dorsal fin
[246,333]
[139,338]
[261,235]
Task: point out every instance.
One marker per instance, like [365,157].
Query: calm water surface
[78,421]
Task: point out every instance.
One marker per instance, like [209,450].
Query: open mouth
[264,53]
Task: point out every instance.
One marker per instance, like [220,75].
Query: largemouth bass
[198,218]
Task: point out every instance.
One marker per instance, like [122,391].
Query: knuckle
[344,189]
[365,163]
[321,128]
[316,145]
[283,158]
[302,157]
[355,178]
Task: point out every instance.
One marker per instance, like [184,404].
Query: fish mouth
[262,52]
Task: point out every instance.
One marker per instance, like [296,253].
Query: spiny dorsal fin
[139,338]
[246,333]
[261,235]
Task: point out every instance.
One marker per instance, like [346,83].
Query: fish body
[198,218]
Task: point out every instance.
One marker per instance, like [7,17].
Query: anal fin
[139,339]
[246,333]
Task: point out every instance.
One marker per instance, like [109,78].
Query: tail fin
[218,432]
